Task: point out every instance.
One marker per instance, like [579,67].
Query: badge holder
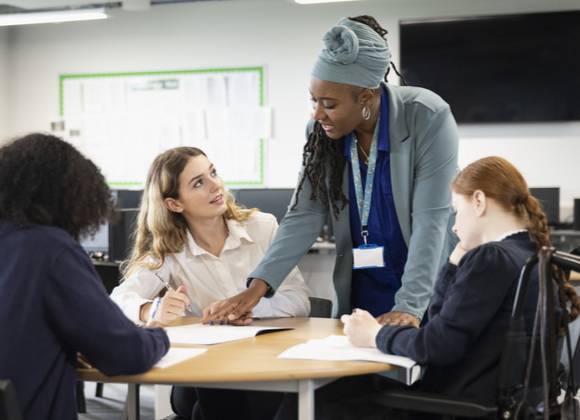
[367,255]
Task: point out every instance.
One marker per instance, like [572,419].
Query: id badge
[368,256]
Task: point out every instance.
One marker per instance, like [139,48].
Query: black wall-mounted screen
[506,68]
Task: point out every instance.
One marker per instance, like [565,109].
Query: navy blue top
[461,345]
[373,289]
[53,305]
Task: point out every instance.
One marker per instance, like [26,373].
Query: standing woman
[379,159]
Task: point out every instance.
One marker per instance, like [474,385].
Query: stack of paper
[213,334]
[337,347]
[178,355]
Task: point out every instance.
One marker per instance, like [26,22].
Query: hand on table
[236,310]
[211,314]
[398,318]
[361,328]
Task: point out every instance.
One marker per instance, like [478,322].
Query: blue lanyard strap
[363,201]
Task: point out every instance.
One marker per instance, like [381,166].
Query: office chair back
[320,308]
[109,273]
[9,409]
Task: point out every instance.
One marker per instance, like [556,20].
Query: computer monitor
[121,233]
[127,199]
[97,243]
[268,200]
[114,238]
[549,198]
[276,202]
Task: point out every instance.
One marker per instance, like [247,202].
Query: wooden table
[253,364]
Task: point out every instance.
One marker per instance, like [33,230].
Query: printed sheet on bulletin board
[123,120]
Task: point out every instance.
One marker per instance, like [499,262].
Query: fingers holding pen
[171,306]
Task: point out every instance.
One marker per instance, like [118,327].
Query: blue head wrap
[354,54]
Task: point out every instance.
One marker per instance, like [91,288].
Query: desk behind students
[254,364]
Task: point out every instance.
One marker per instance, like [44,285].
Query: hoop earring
[366,113]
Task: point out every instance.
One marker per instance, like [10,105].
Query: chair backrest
[515,361]
[320,308]
[9,409]
[574,329]
[109,274]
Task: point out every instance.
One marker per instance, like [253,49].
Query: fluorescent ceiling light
[12,19]
[319,1]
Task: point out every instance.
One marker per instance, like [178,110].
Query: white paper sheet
[177,355]
[213,334]
[337,347]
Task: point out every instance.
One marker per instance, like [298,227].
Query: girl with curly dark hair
[52,302]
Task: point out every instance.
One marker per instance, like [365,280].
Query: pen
[168,287]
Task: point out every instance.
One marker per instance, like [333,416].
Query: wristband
[154,308]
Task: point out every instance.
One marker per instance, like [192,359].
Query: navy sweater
[53,305]
[461,345]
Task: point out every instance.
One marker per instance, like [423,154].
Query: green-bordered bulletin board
[123,120]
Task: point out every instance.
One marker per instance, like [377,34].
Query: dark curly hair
[322,158]
[45,180]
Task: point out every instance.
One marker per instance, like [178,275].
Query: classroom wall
[285,38]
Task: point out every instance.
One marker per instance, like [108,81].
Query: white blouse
[208,278]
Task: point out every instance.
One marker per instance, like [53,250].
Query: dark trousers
[219,404]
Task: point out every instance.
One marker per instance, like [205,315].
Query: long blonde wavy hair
[160,231]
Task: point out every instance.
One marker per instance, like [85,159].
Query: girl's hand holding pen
[170,307]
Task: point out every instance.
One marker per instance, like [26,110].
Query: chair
[450,407]
[9,409]
[320,308]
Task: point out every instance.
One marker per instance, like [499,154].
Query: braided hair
[500,180]
[322,158]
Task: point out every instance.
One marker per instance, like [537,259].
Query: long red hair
[500,180]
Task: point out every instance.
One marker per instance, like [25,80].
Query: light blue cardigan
[423,155]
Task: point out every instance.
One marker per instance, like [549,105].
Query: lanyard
[364,201]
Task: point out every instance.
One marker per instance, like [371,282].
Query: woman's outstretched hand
[236,310]
[398,318]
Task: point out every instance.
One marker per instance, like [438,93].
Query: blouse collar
[236,233]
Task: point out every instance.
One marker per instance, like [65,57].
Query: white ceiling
[62,4]
[45,4]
